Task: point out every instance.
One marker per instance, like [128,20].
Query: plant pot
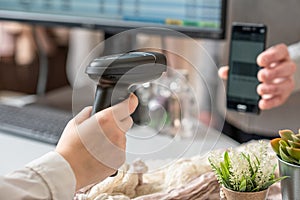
[290,187]
[234,195]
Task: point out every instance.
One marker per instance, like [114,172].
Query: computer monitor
[195,18]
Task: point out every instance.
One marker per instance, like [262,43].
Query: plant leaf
[243,186]
[295,138]
[286,134]
[275,145]
[271,182]
[294,144]
[283,143]
[285,156]
[225,174]
[294,152]
[226,160]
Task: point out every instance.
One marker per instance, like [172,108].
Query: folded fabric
[201,188]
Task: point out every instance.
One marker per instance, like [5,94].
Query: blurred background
[40,55]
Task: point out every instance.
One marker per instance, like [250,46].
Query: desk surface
[142,143]
[15,152]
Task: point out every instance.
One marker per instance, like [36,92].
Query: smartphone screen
[247,42]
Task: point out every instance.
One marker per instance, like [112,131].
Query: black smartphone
[247,42]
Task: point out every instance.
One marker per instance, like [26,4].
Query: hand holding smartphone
[247,42]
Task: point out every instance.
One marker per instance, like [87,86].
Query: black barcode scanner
[115,74]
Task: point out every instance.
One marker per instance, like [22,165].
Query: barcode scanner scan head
[114,75]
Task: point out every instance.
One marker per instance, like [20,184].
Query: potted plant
[244,174]
[287,148]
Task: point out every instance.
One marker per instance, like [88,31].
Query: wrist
[87,170]
[76,168]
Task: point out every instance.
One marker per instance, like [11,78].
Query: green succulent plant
[287,147]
